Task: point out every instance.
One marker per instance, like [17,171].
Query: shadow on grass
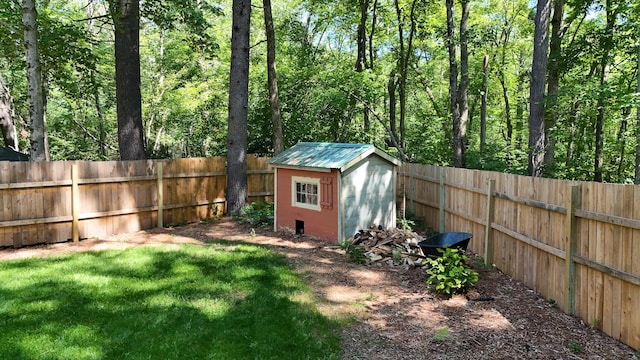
[221,300]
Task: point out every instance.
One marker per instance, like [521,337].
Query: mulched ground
[393,315]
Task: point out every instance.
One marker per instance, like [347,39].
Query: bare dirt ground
[393,315]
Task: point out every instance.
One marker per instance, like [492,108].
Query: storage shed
[331,190]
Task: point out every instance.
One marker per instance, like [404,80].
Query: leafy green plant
[405,224]
[355,252]
[259,213]
[449,274]
[480,264]
[575,347]
[441,334]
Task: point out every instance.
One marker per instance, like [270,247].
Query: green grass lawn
[218,301]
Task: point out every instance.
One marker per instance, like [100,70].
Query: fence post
[412,189]
[75,203]
[441,208]
[160,195]
[488,229]
[573,202]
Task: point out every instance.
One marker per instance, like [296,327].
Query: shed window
[305,192]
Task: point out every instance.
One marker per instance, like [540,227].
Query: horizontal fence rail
[575,242]
[53,202]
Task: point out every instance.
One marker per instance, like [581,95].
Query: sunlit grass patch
[220,301]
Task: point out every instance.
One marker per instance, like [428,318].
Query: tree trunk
[126,19]
[536,91]
[464,81]
[403,67]
[391,89]
[607,46]
[361,60]
[361,39]
[458,91]
[636,178]
[571,142]
[91,9]
[622,142]
[276,121]
[39,150]
[237,192]
[521,106]
[100,115]
[507,111]
[458,142]
[373,29]
[553,84]
[598,158]
[7,123]
[483,105]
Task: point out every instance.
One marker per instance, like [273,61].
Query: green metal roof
[327,155]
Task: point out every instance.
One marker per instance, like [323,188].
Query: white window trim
[304,180]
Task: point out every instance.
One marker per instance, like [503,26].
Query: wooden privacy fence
[575,242]
[50,202]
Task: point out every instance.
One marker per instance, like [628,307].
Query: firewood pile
[391,246]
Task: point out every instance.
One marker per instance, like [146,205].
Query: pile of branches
[392,246]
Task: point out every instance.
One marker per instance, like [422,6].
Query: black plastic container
[431,244]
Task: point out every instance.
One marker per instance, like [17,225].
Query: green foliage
[575,347]
[449,273]
[259,213]
[481,264]
[222,300]
[354,252]
[405,224]
[441,334]
[412,223]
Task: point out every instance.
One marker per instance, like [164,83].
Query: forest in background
[364,71]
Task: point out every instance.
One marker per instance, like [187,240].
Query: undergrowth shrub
[259,213]
[449,274]
[355,252]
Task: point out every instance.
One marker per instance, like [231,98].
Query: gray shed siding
[367,196]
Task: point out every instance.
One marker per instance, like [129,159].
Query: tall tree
[607,45]
[536,89]
[237,192]
[39,149]
[553,84]
[361,40]
[276,122]
[458,90]
[463,86]
[7,123]
[126,20]
[404,59]
[391,91]
[483,106]
[361,57]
